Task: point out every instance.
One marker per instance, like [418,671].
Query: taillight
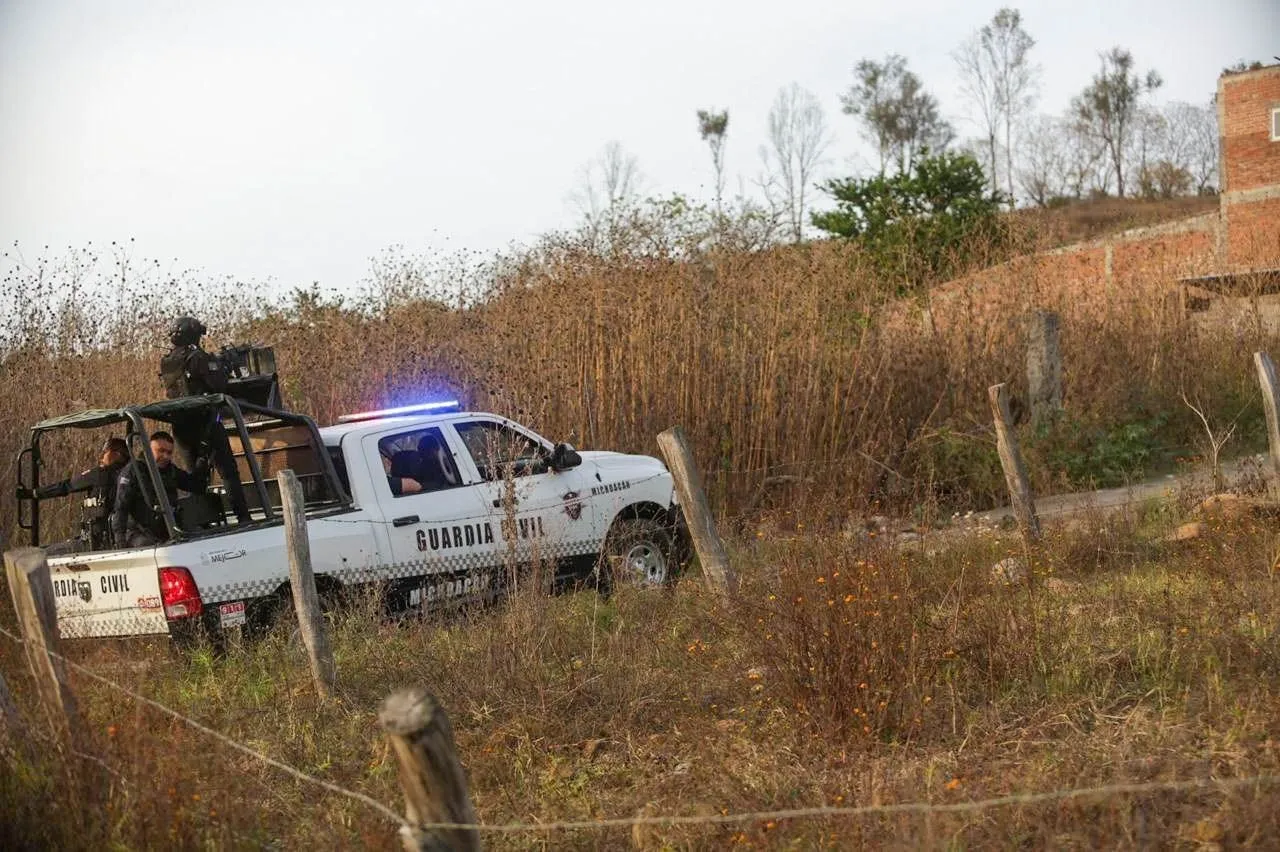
[179,594]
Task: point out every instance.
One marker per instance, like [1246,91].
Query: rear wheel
[637,552]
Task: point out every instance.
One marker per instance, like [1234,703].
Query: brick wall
[1136,267]
[1253,234]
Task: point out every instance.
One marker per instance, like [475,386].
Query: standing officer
[100,482]
[188,370]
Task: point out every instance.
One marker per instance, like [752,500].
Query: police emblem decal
[86,591]
[572,505]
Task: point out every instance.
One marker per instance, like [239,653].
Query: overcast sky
[293,141]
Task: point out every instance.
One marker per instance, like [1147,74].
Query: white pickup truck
[428,502]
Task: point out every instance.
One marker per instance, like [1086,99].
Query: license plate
[231,614]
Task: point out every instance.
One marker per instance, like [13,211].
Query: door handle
[497,503]
[405,521]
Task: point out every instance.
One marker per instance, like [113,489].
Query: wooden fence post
[303,582]
[32,591]
[434,784]
[1015,471]
[1044,367]
[1267,381]
[697,512]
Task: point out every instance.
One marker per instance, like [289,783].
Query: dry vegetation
[846,672]
[1093,218]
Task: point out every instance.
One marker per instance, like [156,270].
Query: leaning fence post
[434,783]
[693,502]
[1267,381]
[32,590]
[305,600]
[1015,471]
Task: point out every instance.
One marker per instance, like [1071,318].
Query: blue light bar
[422,408]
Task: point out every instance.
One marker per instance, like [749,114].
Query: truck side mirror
[564,457]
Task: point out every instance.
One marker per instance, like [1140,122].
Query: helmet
[186,331]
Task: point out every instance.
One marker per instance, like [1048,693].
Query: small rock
[1009,571]
[1189,531]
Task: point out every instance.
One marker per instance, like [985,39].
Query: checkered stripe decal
[461,563]
[126,623]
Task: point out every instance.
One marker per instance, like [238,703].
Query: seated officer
[401,470]
[136,520]
[101,483]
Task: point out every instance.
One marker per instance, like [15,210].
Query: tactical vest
[190,371]
[97,505]
[173,371]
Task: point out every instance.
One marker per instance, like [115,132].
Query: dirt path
[1236,472]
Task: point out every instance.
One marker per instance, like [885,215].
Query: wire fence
[814,812]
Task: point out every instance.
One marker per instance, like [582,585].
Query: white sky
[293,141]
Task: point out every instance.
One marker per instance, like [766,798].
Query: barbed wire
[223,738]
[818,811]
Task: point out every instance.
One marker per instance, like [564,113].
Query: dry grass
[1138,663]
[1091,219]
[782,365]
[1125,661]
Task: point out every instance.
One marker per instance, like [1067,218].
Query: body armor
[191,371]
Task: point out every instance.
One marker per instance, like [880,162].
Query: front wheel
[637,552]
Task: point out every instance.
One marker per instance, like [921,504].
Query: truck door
[541,514]
[435,521]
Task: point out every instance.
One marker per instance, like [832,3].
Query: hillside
[1091,219]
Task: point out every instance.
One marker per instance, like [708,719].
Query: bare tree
[797,140]
[1059,160]
[714,128]
[607,182]
[1191,142]
[1043,167]
[997,77]
[1108,107]
[1147,145]
[899,117]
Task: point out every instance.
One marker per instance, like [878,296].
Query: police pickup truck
[429,503]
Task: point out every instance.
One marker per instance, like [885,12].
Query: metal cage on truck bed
[263,444]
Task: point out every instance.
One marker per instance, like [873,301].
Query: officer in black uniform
[188,370]
[100,483]
[135,518]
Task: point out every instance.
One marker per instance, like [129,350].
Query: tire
[638,552]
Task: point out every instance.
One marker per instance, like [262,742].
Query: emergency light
[422,408]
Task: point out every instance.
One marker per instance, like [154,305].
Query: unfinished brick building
[1249,129]
[1216,266]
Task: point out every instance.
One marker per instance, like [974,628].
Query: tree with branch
[898,115]
[1109,107]
[714,129]
[608,181]
[997,78]
[797,140]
